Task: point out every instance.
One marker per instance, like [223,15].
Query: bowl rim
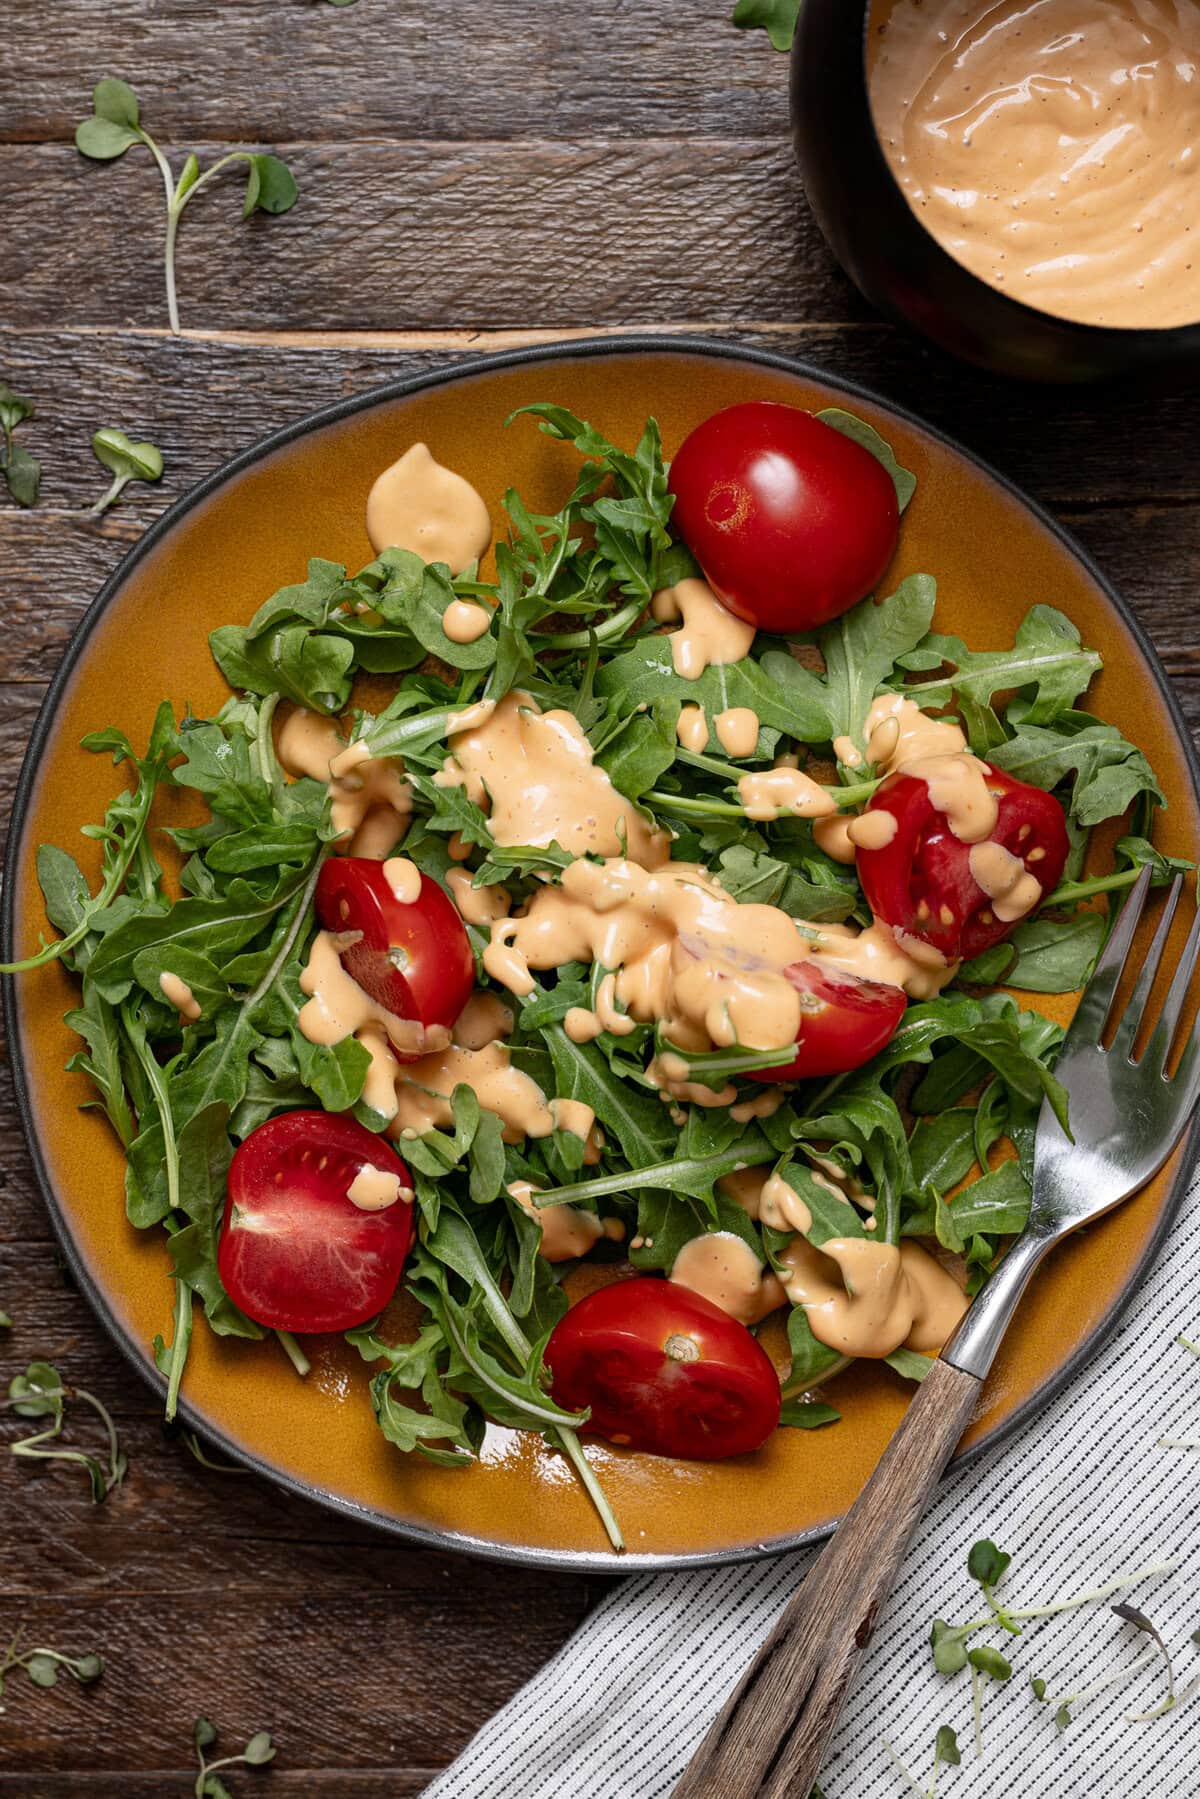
[1162,337]
[582,1561]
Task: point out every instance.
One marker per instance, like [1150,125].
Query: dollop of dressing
[371,800]
[534,771]
[784,790]
[1051,146]
[478,905]
[424,1089]
[737,731]
[417,504]
[691,728]
[177,993]
[709,636]
[1003,877]
[567,1231]
[404,879]
[465,622]
[375,1189]
[723,1268]
[867,1299]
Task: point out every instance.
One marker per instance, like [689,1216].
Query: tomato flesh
[921,882]
[296,1253]
[846,1020]
[791,521]
[413,958]
[663,1370]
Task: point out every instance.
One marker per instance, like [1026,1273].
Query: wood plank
[203,399]
[377,70]
[399,235]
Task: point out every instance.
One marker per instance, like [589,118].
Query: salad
[624,914]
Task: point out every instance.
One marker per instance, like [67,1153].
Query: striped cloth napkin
[1082,1495]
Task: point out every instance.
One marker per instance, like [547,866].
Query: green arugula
[115,126]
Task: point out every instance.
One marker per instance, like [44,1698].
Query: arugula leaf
[637,1119]
[1043,955]
[786,697]
[850,425]
[1109,772]
[1046,659]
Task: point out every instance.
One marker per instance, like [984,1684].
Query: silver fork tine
[1135,1010]
[1092,1013]
[1159,1046]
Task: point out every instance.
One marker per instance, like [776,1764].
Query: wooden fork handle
[769,1741]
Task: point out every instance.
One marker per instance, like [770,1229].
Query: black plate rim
[596,1561]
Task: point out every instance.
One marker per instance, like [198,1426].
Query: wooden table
[471,177]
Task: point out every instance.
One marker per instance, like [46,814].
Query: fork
[1126,1117]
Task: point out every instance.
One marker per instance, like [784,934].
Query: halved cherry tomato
[791,521]
[921,882]
[413,957]
[296,1252]
[845,1021]
[662,1369]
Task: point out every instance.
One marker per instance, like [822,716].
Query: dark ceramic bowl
[887,252]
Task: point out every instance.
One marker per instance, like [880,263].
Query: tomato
[921,882]
[791,521]
[296,1252]
[413,958]
[845,1021]
[662,1369]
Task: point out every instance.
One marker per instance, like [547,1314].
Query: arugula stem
[294,1353]
[685,807]
[572,1448]
[749,1155]
[135,1030]
[1071,891]
[181,1338]
[264,749]
[547,1417]
[615,625]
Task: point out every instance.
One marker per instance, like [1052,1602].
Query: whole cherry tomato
[791,521]
[845,1021]
[922,883]
[412,957]
[662,1369]
[311,1240]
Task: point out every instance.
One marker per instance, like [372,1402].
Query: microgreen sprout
[22,472]
[1129,1614]
[776,17]
[946,1754]
[43,1665]
[258,1751]
[5,1322]
[1182,1442]
[41,1393]
[128,462]
[115,125]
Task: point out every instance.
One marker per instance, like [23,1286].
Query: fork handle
[769,1741]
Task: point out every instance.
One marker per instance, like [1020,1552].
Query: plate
[210,560]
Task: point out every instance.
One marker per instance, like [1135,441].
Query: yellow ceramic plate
[210,560]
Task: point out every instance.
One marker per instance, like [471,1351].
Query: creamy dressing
[681,951]
[868,1299]
[478,905]
[534,772]
[1004,878]
[177,993]
[737,731]
[371,802]
[1051,146]
[418,505]
[484,1019]
[338,1007]
[464,622]
[881,954]
[404,879]
[897,732]
[567,1231]
[424,1089]
[375,1189]
[708,636]
[784,790]
[724,1269]
[873,830]
[691,728]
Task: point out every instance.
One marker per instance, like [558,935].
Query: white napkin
[1081,1495]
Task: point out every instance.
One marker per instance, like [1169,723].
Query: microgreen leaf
[270,186]
[946,1747]
[22,472]
[776,17]
[990,1662]
[128,461]
[986,1563]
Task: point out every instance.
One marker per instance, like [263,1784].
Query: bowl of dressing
[1018,179]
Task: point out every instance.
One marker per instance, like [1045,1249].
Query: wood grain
[470,178]
[257,70]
